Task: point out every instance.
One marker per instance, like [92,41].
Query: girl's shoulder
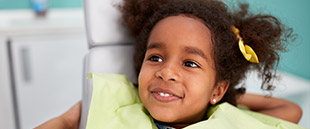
[225,115]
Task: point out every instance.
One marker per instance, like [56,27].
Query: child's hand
[275,107]
[68,120]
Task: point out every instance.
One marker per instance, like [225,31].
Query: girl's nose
[168,73]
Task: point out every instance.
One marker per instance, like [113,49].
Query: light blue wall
[294,13]
[25,4]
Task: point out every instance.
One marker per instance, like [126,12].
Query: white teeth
[164,94]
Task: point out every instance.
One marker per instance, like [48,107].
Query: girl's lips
[164,95]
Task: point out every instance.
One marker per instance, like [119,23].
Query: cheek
[143,78]
[147,72]
[200,92]
[141,83]
[200,88]
[199,97]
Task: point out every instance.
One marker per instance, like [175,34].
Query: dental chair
[110,47]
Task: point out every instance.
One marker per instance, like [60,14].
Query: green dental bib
[115,104]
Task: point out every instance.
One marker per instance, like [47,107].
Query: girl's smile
[177,78]
[164,95]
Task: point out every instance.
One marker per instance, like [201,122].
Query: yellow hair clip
[246,50]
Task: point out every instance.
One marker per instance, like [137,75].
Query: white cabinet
[47,75]
[45,58]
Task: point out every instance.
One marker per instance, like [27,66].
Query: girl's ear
[218,92]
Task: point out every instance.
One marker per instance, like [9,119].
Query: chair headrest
[104,24]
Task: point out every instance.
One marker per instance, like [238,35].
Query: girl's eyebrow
[190,50]
[155,45]
[196,51]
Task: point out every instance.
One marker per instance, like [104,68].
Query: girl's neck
[178,125]
[172,125]
[183,123]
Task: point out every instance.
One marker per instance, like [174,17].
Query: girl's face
[177,78]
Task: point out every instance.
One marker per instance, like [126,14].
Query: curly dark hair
[264,33]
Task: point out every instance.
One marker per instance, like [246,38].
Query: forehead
[182,31]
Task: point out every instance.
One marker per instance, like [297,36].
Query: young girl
[191,54]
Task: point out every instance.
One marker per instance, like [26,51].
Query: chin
[165,117]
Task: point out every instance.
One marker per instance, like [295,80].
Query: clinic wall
[294,14]
[26,4]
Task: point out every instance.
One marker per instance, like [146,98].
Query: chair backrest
[110,46]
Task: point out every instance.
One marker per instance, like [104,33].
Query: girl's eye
[191,64]
[156,59]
